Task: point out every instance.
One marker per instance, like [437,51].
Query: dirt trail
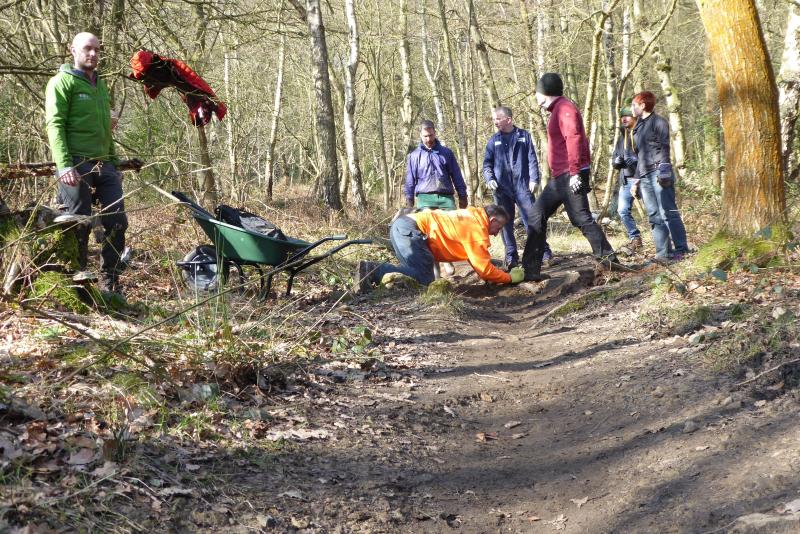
[500,422]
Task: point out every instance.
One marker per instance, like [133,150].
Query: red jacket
[567,145]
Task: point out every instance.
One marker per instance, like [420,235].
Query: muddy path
[506,423]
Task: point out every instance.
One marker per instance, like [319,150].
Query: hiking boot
[84,276]
[535,277]
[631,247]
[447,268]
[109,283]
[72,218]
[365,276]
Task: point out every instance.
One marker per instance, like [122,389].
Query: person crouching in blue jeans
[656,179]
[625,161]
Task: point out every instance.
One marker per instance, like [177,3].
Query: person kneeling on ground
[421,239]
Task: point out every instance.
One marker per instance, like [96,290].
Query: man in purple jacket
[433,176]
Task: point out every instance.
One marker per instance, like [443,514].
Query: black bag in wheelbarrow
[248,221]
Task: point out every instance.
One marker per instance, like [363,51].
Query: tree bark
[209,186]
[328,168]
[432,75]
[711,129]
[462,140]
[351,144]
[406,112]
[591,90]
[483,56]
[663,66]
[753,191]
[789,95]
[276,115]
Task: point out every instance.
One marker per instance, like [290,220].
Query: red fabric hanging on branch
[157,72]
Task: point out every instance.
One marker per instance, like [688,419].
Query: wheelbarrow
[208,266]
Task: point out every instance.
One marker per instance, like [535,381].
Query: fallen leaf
[485,436]
[449,410]
[294,494]
[512,424]
[519,435]
[193,467]
[108,469]
[534,518]
[580,502]
[8,450]
[486,397]
[702,448]
[299,434]
[81,457]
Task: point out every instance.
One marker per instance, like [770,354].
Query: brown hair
[647,99]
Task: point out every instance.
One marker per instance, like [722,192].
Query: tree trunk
[276,114]
[351,145]
[539,127]
[328,168]
[570,78]
[612,80]
[711,127]
[591,89]
[376,72]
[753,192]
[664,70]
[462,140]
[432,75]
[789,96]
[483,56]
[209,186]
[405,112]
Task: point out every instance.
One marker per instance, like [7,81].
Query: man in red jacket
[569,160]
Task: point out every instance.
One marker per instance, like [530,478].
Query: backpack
[248,221]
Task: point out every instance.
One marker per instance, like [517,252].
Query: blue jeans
[624,208]
[523,198]
[411,248]
[665,219]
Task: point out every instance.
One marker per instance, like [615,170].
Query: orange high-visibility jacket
[460,235]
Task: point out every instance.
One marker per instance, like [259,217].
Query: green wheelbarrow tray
[236,246]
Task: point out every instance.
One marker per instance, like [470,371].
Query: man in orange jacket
[422,239]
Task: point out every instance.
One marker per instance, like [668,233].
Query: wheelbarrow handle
[338,237]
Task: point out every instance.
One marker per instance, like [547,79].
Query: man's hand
[463,202]
[517,275]
[69,176]
[575,183]
[635,189]
[532,186]
[665,182]
[618,162]
[491,185]
[409,202]
[631,161]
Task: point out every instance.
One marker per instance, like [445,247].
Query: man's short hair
[426,125]
[505,110]
[646,99]
[493,210]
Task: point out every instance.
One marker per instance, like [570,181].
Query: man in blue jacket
[511,172]
[433,175]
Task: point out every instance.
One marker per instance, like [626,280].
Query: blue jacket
[433,170]
[514,165]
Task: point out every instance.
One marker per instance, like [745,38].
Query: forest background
[387,67]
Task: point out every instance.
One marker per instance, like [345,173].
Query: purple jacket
[433,170]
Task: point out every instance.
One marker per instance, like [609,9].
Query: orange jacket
[460,235]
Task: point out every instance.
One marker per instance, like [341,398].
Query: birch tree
[789,95]
[351,145]
[487,80]
[753,188]
[277,103]
[406,112]
[432,73]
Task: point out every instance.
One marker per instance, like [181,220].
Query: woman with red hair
[656,179]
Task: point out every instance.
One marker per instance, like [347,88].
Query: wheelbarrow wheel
[201,270]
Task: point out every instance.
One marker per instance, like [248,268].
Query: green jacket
[78,118]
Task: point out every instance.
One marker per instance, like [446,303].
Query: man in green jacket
[78,115]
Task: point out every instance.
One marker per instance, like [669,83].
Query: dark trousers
[101,181]
[520,197]
[556,193]
[411,248]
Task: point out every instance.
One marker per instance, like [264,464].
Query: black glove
[619,162]
[409,203]
[631,161]
[463,202]
[665,182]
[586,186]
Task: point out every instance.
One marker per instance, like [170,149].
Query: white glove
[575,183]
[492,185]
[532,187]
